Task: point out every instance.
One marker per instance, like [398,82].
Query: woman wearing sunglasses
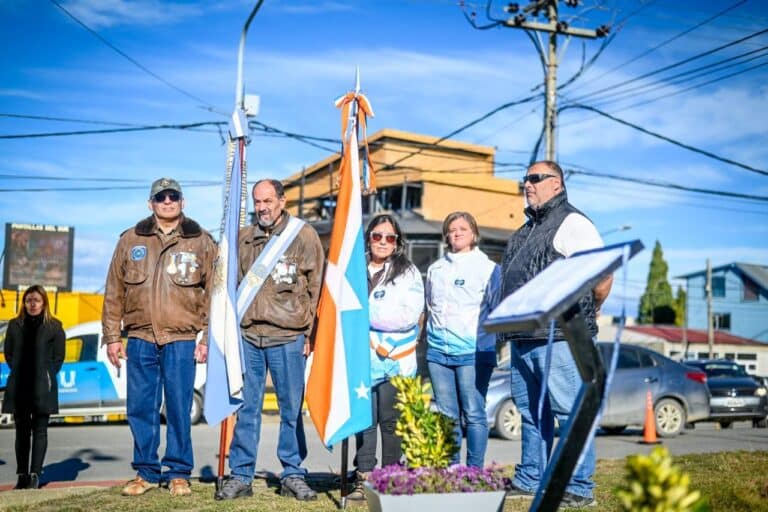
[34,350]
[395,302]
[462,288]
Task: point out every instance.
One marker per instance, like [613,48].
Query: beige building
[421,181]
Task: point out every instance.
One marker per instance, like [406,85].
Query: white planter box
[458,501]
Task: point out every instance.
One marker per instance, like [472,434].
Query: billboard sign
[38,254]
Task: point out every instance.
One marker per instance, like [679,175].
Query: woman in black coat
[34,351]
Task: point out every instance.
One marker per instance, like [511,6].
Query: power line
[136,63]
[186,126]
[88,189]
[66,119]
[685,76]
[671,66]
[665,138]
[668,185]
[666,41]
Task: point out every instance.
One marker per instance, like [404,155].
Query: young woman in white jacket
[395,304]
[462,288]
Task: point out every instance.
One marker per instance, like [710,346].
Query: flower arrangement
[398,480]
[429,446]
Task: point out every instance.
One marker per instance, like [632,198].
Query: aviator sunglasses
[537,178]
[391,238]
[160,197]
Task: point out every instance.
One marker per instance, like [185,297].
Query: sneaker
[517,493]
[358,491]
[233,488]
[296,487]
[179,487]
[137,487]
[571,500]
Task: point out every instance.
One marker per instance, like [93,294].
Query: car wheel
[760,423]
[670,417]
[615,430]
[725,424]
[197,408]
[509,422]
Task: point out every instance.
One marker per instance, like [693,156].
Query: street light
[624,227]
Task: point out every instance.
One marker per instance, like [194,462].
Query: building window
[705,355]
[730,356]
[750,289]
[718,286]
[722,321]
[423,255]
[391,198]
[747,357]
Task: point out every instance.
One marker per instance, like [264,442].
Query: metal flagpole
[237,143]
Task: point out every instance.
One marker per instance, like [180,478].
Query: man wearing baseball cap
[158,288]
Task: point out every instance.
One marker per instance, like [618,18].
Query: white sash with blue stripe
[262,267]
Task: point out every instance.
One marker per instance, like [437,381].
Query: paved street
[98,452]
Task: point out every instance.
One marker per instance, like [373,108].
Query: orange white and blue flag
[339,383]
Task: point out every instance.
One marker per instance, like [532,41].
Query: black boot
[34,481]
[23,481]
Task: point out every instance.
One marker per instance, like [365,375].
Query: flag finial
[357,80]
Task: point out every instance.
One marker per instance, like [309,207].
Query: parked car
[89,385]
[680,395]
[736,395]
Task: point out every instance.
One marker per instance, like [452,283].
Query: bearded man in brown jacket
[158,286]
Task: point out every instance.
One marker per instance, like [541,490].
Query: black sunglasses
[537,178]
[391,238]
[160,197]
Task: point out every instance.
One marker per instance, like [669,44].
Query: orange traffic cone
[649,429]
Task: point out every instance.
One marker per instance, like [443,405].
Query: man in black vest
[555,229]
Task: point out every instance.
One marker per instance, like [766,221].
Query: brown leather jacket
[287,301]
[159,285]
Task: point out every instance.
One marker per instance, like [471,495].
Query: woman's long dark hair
[35,288]
[398,261]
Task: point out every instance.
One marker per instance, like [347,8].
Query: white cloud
[22,93]
[109,13]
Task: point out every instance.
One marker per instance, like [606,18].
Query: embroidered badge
[459,282]
[285,272]
[378,294]
[138,252]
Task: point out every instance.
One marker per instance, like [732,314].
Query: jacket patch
[284,272]
[459,282]
[379,294]
[138,252]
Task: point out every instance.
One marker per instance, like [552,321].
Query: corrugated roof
[695,336]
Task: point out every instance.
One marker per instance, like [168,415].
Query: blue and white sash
[264,264]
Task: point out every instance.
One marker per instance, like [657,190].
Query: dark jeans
[154,371]
[385,416]
[34,427]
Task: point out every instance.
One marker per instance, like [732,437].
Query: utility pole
[710,324]
[554,27]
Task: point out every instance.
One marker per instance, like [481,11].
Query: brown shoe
[358,491]
[137,487]
[179,487]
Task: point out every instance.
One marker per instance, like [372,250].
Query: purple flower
[399,480]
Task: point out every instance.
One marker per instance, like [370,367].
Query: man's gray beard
[270,225]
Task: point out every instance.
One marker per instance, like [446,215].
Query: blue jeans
[154,370]
[286,365]
[457,397]
[528,361]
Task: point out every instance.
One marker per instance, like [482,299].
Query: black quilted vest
[530,250]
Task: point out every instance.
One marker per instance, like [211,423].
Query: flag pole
[239,141]
[345,442]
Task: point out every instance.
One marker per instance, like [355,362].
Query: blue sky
[424,68]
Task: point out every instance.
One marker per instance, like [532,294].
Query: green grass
[733,481]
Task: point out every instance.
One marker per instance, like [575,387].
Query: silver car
[679,392]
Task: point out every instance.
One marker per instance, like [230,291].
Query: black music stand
[554,294]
